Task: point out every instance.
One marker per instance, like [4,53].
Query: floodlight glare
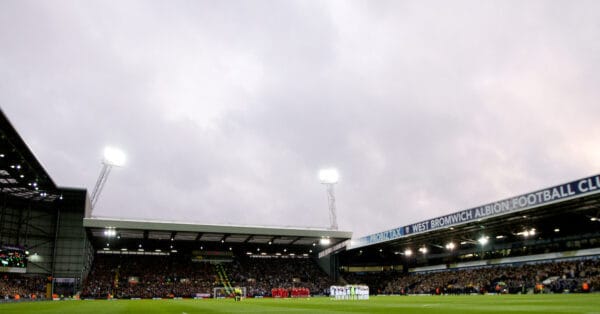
[483,240]
[325,241]
[109,233]
[114,156]
[329,176]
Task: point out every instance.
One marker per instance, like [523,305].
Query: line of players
[349,292]
[292,292]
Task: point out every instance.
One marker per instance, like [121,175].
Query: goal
[227,292]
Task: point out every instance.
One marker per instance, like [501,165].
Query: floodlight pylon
[332,209]
[112,157]
[329,177]
[100,183]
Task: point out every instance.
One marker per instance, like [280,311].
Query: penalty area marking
[429,305]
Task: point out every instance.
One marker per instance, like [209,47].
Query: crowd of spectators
[557,277]
[127,276]
[17,286]
[137,276]
[146,277]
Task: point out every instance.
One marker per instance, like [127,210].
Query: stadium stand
[19,286]
[147,277]
[165,277]
[264,274]
[127,276]
[556,277]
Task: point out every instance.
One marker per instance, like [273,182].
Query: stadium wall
[73,250]
[330,264]
[51,232]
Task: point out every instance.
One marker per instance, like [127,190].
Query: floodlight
[408,252]
[325,241]
[527,233]
[110,232]
[114,156]
[329,176]
[523,233]
[450,246]
[483,240]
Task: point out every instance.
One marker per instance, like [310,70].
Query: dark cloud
[228,109]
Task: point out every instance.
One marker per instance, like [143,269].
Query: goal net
[227,292]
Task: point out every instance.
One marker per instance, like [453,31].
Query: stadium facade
[48,230]
[553,223]
[52,231]
[39,221]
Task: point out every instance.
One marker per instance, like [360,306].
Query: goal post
[227,292]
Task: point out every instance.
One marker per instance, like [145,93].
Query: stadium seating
[554,277]
[127,276]
[22,287]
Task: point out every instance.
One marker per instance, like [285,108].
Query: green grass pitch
[505,304]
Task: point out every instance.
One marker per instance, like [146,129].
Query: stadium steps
[222,275]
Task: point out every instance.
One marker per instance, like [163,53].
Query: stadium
[541,245]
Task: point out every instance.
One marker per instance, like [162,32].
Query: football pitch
[511,304]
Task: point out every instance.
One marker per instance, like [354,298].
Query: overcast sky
[228,109]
